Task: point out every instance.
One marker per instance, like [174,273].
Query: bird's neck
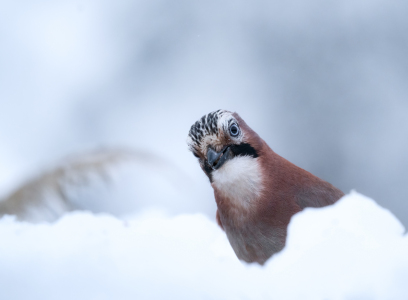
[238,183]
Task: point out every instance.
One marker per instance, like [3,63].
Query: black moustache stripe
[244,149]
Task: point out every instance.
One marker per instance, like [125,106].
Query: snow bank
[352,250]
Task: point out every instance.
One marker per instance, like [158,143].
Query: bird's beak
[217,159]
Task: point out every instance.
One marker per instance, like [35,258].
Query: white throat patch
[239,179]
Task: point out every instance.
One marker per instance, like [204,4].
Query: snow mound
[352,250]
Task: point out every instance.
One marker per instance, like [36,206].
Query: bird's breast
[255,244]
[238,188]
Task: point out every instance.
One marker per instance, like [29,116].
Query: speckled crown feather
[207,125]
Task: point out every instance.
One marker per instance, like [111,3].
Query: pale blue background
[325,83]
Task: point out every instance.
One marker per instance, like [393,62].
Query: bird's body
[256,190]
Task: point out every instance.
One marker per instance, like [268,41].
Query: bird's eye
[234,130]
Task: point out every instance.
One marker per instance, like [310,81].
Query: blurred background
[114,86]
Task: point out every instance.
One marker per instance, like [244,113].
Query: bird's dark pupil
[234,130]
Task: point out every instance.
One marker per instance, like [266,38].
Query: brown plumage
[256,190]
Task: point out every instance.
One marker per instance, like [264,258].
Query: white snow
[352,250]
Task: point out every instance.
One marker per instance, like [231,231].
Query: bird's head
[219,137]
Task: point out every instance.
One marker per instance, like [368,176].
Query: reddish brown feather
[217,217]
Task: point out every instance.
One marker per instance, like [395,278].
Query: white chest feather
[239,179]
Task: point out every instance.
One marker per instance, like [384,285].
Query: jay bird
[256,190]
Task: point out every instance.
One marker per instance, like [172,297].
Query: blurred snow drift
[117,181]
[352,250]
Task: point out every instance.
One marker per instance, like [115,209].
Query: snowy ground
[352,250]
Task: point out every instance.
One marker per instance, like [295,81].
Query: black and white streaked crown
[207,125]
